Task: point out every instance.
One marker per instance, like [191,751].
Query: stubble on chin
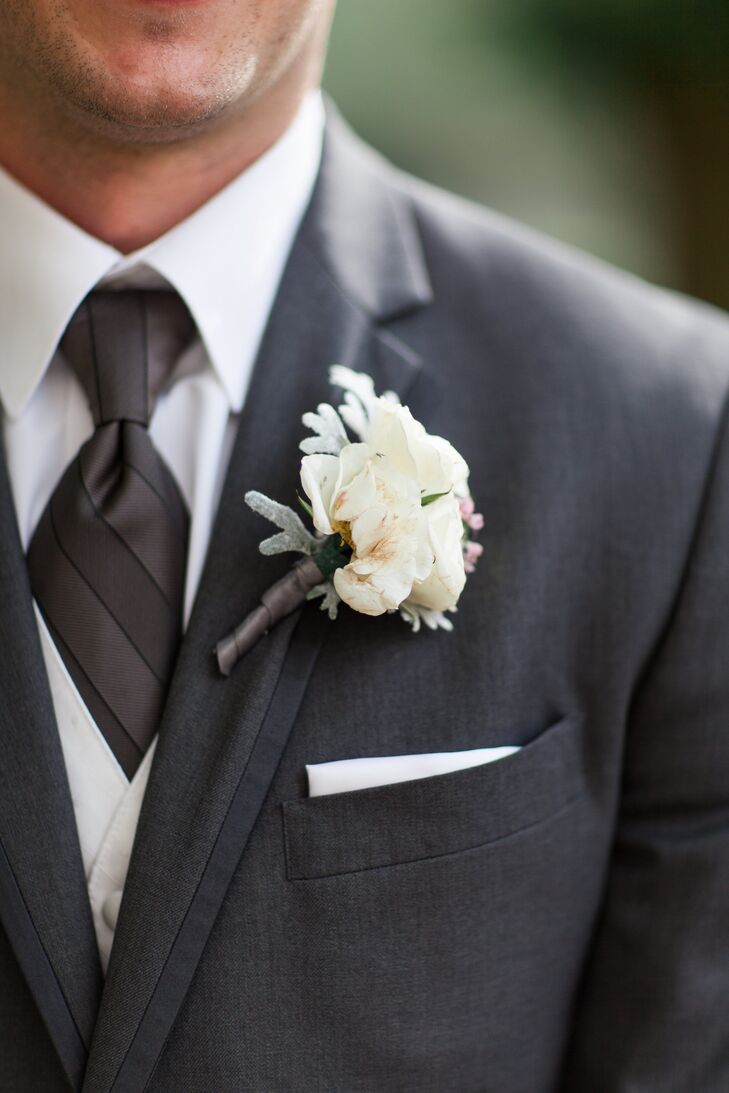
[71,81]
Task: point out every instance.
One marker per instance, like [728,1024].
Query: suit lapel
[44,907]
[221,739]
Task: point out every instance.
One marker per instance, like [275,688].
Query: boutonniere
[393,520]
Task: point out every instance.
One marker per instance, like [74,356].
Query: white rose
[377,511]
[371,495]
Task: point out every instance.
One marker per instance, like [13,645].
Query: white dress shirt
[226,261]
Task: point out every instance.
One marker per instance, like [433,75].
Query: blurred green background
[602,122]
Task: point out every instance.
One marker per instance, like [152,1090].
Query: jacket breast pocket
[430,817]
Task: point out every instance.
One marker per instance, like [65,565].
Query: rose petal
[319,475]
[441,589]
[388,438]
[355,494]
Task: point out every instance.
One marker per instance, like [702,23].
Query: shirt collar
[225,260]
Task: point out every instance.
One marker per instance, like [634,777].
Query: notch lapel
[44,907]
[221,739]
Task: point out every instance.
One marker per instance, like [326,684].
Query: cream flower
[377,512]
[371,495]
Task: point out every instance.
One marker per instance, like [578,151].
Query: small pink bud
[466,506]
[472,553]
[475,522]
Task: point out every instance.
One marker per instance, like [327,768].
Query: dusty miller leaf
[330,598]
[331,436]
[293,535]
[359,398]
[414,614]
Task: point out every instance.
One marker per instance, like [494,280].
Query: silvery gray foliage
[331,436]
[330,600]
[359,398]
[415,614]
[293,534]
[329,425]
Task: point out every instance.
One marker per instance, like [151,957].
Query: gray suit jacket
[556,921]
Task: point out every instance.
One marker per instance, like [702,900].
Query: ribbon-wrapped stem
[280,600]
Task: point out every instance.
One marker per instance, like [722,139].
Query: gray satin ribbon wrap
[280,600]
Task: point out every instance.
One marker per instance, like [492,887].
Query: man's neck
[128,195]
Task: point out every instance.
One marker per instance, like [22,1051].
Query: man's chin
[142,114]
[144,93]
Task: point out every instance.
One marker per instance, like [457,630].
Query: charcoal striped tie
[107,559]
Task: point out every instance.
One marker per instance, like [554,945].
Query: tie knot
[123,346]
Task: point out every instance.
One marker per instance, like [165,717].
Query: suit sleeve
[652,1015]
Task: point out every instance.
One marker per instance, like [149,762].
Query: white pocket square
[382,770]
